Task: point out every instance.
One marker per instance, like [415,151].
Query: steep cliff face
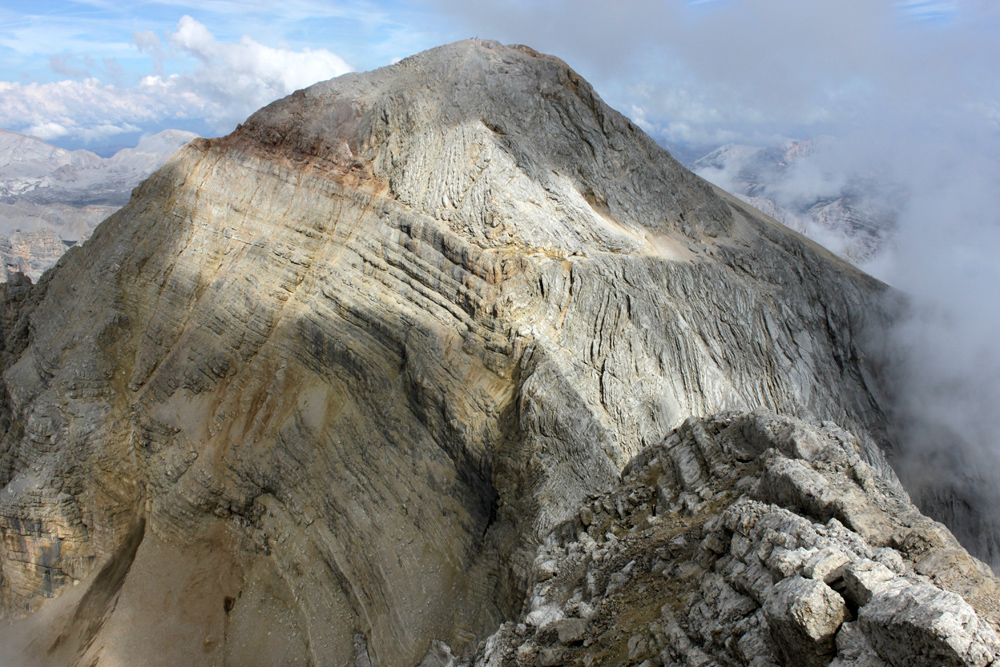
[318,390]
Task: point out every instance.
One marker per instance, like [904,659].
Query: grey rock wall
[752,539]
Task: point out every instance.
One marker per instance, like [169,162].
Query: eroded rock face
[30,253]
[319,389]
[803,616]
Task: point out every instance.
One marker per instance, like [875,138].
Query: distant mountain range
[51,198]
[854,214]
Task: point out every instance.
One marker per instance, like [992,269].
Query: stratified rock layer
[316,392]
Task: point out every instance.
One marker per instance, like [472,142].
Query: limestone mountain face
[30,253]
[34,236]
[319,389]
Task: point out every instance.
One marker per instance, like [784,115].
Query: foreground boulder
[657,572]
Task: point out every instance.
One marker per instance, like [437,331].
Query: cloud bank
[227,82]
[233,80]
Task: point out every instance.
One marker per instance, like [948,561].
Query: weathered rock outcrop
[752,539]
[318,390]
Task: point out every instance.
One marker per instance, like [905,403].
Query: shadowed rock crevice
[99,601]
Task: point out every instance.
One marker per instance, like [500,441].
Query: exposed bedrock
[753,539]
[347,366]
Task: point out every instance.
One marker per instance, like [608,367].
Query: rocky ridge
[319,390]
[752,539]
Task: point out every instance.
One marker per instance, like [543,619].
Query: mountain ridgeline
[356,385]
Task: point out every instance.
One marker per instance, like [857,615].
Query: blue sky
[99,72]
[83,73]
[32,32]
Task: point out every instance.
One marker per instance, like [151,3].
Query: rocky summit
[450,363]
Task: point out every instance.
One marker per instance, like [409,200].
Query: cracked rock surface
[319,391]
[657,573]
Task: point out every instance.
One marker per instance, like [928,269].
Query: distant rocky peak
[56,197]
[852,213]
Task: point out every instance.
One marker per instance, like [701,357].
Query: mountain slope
[318,390]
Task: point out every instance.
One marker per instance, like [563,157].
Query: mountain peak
[335,377]
[476,111]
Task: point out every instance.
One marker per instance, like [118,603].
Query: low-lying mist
[948,371]
[941,182]
[944,257]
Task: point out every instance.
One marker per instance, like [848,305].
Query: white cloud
[61,65]
[47,131]
[235,79]
[106,130]
[147,41]
[87,110]
[228,82]
[74,104]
